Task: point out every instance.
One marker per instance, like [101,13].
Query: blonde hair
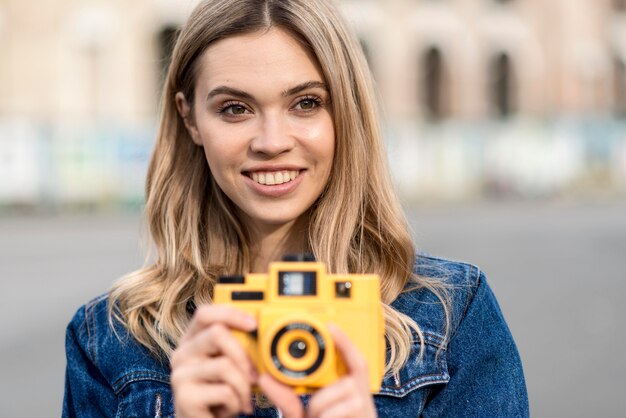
[356,225]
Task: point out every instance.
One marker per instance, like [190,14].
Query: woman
[269,144]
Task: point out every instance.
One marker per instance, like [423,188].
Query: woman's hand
[347,397]
[211,372]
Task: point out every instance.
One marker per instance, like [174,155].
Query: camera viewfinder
[297,283]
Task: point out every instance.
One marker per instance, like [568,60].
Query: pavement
[558,269]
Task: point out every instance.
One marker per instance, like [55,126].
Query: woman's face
[262,113]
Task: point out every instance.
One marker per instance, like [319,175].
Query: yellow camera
[293,304]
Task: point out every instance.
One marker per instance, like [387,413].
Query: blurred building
[475,59]
[480,96]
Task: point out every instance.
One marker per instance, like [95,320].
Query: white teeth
[273,178]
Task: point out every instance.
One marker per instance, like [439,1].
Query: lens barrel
[297,350]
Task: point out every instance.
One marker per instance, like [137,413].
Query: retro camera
[293,304]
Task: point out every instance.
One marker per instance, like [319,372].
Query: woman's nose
[273,136]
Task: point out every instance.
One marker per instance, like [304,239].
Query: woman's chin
[272,219]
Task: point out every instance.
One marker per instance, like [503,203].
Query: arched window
[619,71]
[433,86]
[502,86]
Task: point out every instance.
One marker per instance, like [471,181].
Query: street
[558,269]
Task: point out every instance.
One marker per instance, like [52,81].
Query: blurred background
[505,124]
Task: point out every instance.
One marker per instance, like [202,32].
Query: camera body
[293,303]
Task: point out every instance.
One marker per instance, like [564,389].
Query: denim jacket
[476,373]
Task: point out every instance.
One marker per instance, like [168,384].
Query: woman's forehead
[255,59]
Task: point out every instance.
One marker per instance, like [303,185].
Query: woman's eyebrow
[229,91]
[305,86]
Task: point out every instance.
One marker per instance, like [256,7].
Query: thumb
[282,396]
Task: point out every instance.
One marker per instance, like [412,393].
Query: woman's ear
[184,110]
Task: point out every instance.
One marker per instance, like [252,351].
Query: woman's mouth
[271,178]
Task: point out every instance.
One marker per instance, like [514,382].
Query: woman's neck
[271,242]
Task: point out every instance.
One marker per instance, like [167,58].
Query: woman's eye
[308,104]
[238,110]
[232,109]
[235,110]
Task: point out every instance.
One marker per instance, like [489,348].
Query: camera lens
[297,349]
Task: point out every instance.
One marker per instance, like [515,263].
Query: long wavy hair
[356,225]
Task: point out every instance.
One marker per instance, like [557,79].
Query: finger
[223,370]
[345,398]
[223,397]
[205,399]
[352,357]
[282,396]
[330,395]
[215,340]
[218,370]
[207,315]
[349,408]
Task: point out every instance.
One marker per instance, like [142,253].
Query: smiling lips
[271,178]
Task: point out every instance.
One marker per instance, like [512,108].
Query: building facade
[83,73]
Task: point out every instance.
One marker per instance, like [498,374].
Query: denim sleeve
[486,376]
[87,392]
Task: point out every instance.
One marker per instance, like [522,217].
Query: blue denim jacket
[478,373]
